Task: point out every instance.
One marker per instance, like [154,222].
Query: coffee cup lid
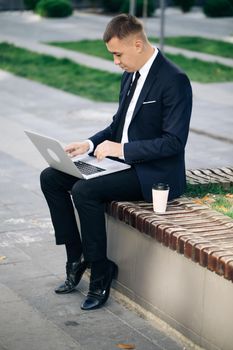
[161,186]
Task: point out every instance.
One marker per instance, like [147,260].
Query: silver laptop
[84,167]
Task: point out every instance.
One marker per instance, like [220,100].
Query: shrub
[30,4]
[54,8]
[112,6]
[185,5]
[218,8]
[139,7]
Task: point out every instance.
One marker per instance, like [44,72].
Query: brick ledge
[194,230]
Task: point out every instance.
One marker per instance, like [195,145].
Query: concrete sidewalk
[83,25]
[32,316]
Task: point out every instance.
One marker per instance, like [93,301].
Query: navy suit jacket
[159,127]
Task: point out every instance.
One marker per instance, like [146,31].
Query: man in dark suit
[149,131]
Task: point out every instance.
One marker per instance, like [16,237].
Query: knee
[80,192]
[46,178]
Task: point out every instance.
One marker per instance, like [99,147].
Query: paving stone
[29,330]
[12,255]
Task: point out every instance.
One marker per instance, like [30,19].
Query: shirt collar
[145,69]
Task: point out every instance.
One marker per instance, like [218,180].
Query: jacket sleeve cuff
[91,146]
[122,147]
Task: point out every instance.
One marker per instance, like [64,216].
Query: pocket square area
[147,102]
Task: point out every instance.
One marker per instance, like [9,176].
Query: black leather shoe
[74,272]
[99,288]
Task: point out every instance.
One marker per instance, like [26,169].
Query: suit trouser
[89,198]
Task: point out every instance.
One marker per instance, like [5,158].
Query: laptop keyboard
[87,169]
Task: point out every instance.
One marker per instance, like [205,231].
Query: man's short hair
[122,26]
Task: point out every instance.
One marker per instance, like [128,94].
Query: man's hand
[77,148]
[108,148]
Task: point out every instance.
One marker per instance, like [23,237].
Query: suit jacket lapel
[149,82]
[124,93]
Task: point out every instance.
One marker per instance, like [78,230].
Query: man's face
[125,53]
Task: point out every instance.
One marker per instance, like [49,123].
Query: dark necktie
[125,108]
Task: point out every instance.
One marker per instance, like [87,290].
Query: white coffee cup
[160,195]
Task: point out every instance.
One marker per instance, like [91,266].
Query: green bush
[54,8]
[185,5]
[112,6]
[218,8]
[30,4]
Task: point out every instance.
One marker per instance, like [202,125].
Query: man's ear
[139,45]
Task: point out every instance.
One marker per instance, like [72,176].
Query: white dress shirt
[143,75]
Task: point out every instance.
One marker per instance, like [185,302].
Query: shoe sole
[66,292]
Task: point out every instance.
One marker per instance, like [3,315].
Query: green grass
[203,190]
[197,70]
[60,73]
[203,72]
[215,196]
[224,205]
[195,43]
[91,47]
